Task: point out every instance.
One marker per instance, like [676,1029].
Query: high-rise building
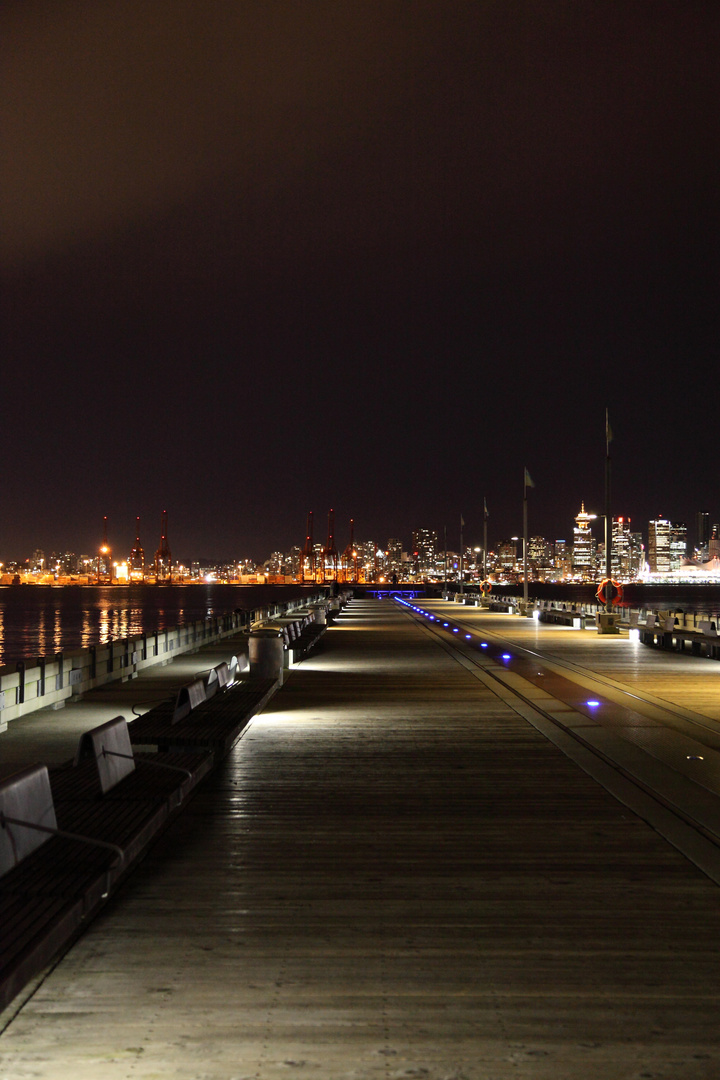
[621,546]
[583,557]
[507,555]
[394,555]
[562,560]
[424,543]
[628,553]
[667,545]
[702,530]
[540,558]
[714,543]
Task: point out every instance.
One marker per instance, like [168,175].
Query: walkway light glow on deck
[592,704]
[506,656]
[483,644]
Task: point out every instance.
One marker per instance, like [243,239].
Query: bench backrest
[189,697]
[26,796]
[218,678]
[110,747]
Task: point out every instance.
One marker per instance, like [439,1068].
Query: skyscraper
[583,557]
[424,544]
[667,545]
[702,529]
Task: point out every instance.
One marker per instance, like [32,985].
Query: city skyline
[695,538]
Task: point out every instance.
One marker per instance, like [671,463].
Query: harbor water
[40,620]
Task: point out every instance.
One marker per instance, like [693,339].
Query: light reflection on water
[38,620]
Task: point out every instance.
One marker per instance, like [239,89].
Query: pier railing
[50,681]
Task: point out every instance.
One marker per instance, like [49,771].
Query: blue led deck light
[468,636]
[592,704]
[483,644]
[506,656]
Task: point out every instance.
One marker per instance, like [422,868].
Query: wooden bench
[215,725]
[112,793]
[563,616]
[664,633]
[70,833]
[50,879]
[187,698]
[306,641]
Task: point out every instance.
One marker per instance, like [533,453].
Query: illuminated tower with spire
[583,557]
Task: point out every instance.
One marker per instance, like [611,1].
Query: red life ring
[600,594]
[485,588]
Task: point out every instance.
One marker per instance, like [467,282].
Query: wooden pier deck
[397,873]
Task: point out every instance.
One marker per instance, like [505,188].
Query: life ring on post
[485,588]
[602,595]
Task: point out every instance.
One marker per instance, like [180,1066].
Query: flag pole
[461,555]
[525,541]
[608,519]
[485,521]
[527,482]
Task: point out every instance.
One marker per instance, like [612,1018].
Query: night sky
[266,257]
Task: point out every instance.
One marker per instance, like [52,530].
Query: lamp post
[524,563]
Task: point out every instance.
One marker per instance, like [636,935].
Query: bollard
[320,612]
[265,650]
